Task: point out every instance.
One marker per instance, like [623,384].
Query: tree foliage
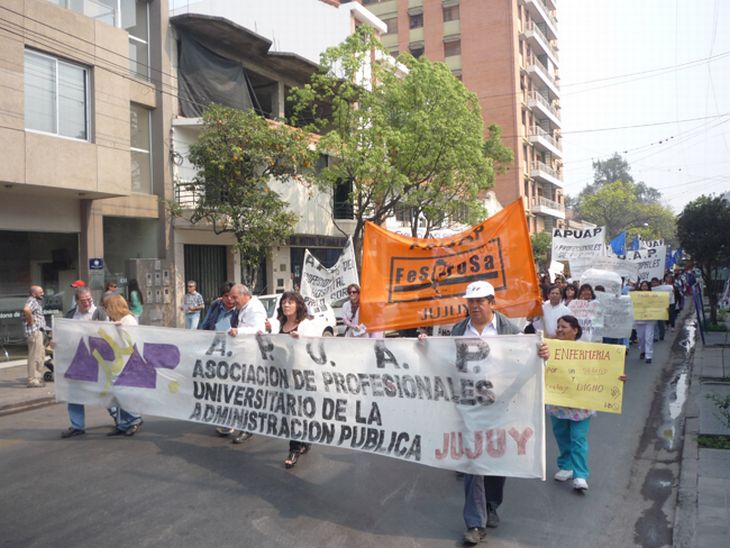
[412,139]
[703,228]
[542,243]
[237,154]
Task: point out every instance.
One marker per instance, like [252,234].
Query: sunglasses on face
[353,292]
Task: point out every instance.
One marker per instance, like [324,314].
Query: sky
[659,66]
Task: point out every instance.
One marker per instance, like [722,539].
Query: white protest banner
[569,243]
[590,317]
[322,286]
[622,267]
[649,244]
[618,315]
[650,262]
[610,281]
[474,405]
[555,269]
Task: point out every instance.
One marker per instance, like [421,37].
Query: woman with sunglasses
[351,316]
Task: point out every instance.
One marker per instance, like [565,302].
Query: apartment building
[84,133]
[275,45]
[506,52]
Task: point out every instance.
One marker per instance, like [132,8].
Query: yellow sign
[650,305]
[585,375]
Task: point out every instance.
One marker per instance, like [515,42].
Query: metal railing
[539,98]
[188,194]
[541,166]
[547,202]
[537,131]
[531,26]
[535,62]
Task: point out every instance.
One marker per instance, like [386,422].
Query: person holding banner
[295,321]
[570,426]
[483,494]
[570,292]
[645,330]
[351,315]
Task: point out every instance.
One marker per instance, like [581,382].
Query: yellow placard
[650,305]
[585,375]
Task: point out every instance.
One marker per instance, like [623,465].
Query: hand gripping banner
[474,405]
[413,282]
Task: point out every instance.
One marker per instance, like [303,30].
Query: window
[392,25]
[135,19]
[452,48]
[416,51]
[451,13]
[415,21]
[342,206]
[56,96]
[139,145]
[132,15]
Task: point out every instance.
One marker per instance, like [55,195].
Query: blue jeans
[572,438]
[123,419]
[77,416]
[480,491]
[192,320]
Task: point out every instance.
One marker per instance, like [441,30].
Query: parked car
[325,321]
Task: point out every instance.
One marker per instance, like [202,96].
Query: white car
[325,322]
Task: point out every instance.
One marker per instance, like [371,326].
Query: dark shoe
[71,432]
[642,356]
[474,536]
[115,432]
[291,459]
[492,517]
[240,437]
[648,360]
[132,430]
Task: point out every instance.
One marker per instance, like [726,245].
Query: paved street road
[176,484]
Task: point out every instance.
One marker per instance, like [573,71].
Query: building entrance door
[206,264]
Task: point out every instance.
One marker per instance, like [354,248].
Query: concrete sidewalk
[702,518]
[14,395]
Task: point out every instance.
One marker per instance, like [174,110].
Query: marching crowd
[237,311]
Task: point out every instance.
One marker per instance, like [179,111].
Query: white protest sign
[650,262]
[322,286]
[610,281]
[474,405]
[569,243]
[618,315]
[590,317]
[621,267]
[555,269]
[649,244]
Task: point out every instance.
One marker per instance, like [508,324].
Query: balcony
[538,40]
[535,100]
[542,171]
[540,137]
[541,74]
[545,206]
[539,10]
[188,194]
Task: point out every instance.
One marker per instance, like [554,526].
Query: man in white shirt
[251,320]
[552,311]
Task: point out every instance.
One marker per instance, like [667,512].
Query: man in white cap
[483,494]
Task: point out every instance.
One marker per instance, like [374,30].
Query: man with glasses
[192,305]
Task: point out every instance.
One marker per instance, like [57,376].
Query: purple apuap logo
[122,364]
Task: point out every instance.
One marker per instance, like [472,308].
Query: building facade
[506,52]
[84,133]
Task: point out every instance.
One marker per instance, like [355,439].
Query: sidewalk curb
[26,405]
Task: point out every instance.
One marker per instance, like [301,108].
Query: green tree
[405,139]
[542,243]
[703,228]
[237,155]
[617,206]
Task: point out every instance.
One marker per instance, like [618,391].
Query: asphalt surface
[177,484]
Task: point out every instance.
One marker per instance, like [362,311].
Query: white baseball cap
[477,290]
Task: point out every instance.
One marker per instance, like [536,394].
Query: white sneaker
[563,475]
[579,484]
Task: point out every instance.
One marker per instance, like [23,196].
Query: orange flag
[412,282]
